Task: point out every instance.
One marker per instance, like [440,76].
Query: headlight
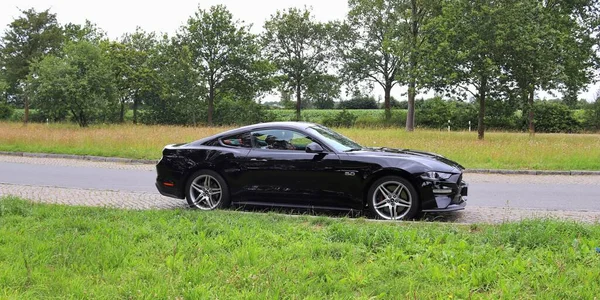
[435,175]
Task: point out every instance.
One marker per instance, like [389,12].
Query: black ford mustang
[306,165]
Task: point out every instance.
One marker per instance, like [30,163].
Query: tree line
[497,53]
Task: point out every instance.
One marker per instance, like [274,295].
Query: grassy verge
[49,251]
[498,150]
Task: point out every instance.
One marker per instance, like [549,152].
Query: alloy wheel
[205,192]
[392,200]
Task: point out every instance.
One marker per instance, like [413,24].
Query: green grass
[499,150]
[52,251]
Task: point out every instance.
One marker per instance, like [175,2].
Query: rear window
[242,140]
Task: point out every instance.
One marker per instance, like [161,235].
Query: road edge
[154,161]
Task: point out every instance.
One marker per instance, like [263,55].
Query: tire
[207,190]
[401,202]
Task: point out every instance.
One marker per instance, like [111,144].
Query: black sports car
[306,165]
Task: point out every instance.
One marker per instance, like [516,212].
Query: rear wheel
[206,190]
[393,198]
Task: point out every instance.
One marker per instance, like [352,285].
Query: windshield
[334,139]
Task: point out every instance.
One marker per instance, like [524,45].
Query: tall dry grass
[499,150]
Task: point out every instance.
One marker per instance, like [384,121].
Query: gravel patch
[140,201]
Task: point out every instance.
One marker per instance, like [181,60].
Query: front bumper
[445,195]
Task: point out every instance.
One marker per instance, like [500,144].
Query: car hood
[432,160]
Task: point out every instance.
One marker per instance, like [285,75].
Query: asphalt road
[573,193]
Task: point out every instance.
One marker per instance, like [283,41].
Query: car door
[282,173]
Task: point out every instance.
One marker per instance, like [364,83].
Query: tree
[88,32]
[299,47]
[134,76]
[412,44]
[322,93]
[79,82]
[223,51]
[465,47]
[549,46]
[363,44]
[28,39]
[177,84]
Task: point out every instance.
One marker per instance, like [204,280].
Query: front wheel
[393,198]
[206,190]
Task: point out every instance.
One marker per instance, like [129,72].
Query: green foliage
[592,116]
[27,39]
[78,82]
[359,102]
[435,113]
[59,251]
[341,119]
[323,91]
[231,112]
[136,77]
[300,48]
[367,119]
[34,116]
[362,44]
[225,56]
[552,117]
[6,111]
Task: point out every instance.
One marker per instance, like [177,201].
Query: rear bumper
[168,191]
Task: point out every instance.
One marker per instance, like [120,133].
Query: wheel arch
[186,177]
[388,172]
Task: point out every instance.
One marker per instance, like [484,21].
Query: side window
[239,140]
[280,139]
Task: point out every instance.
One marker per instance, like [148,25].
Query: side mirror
[314,148]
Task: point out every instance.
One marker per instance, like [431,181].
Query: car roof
[301,126]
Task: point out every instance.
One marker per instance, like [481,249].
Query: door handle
[256,159]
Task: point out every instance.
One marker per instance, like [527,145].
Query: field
[498,150]
[52,251]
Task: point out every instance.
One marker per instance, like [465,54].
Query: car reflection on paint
[307,165]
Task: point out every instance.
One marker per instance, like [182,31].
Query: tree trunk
[122,116]
[412,84]
[135,109]
[530,115]
[410,115]
[386,102]
[211,98]
[298,102]
[480,120]
[26,117]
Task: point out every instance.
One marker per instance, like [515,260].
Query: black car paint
[295,178]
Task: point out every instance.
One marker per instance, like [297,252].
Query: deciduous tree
[223,52]
[78,81]
[28,39]
[300,48]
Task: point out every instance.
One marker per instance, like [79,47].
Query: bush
[6,111]
[434,113]
[35,116]
[592,116]
[360,102]
[230,112]
[398,119]
[501,115]
[551,117]
[341,119]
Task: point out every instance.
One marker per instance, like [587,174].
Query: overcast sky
[119,17]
